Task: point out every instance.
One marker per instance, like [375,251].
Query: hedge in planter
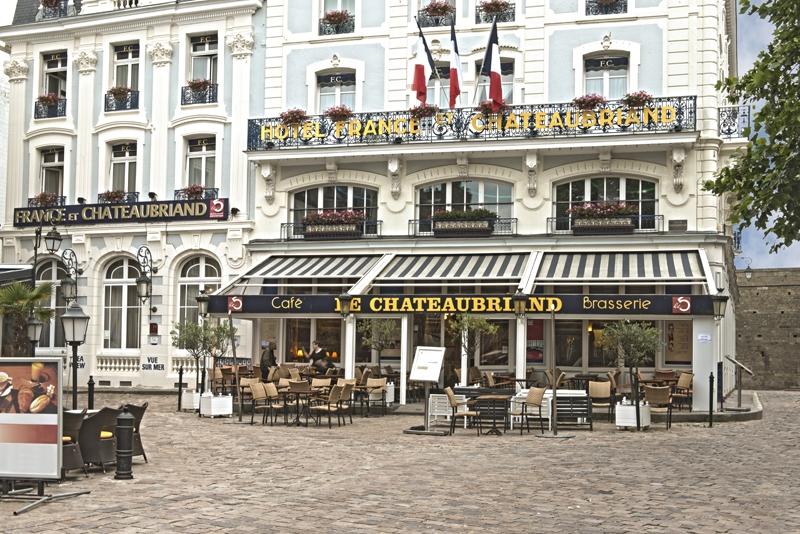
[472,222]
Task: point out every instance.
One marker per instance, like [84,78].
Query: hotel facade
[314,211]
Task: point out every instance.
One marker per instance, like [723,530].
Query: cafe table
[497,408]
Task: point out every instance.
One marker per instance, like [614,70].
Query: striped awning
[454,267]
[632,267]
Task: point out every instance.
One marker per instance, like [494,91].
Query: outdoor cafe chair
[473,375]
[321,385]
[660,400]
[457,372]
[294,373]
[346,398]
[138,414]
[70,448]
[283,383]
[329,405]
[534,399]
[96,438]
[258,402]
[374,385]
[494,383]
[454,406]
[682,394]
[602,396]
[283,371]
[549,375]
[273,403]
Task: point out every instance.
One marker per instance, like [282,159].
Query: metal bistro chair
[71,450]
[535,399]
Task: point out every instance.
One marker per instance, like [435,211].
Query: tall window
[641,193]
[607,76]
[201,161]
[53,272]
[339,5]
[465,195]
[126,66]
[196,274]
[507,78]
[335,197]
[439,87]
[123,167]
[121,311]
[204,57]
[54,77]
[52,171]
[336,89]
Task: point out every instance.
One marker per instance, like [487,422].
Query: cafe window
[465,195]
[52,180]
[336,89]
[300,333]
[201,161]
[52,272]
[121,309]
[200,273]
[335,198]
[607,76]
[506,78]
[678,349]
[600,190]
[204,57]
[123,167]
[569,343]
[126,66]
[599,356]
[494,347]
[54,79]
[439,86]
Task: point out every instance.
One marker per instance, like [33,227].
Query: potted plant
[637,99]
[194,192]
[44,199]
[477,222]
[333,223]
[589,102]
[199,85]
[112,197]
[495,7]
[339,113]
[439,8]
[602,217]
[423,111]
[47,99]
[489,107]
[293,117]
[18,301]
[120,93]
[336,17]
[51,4]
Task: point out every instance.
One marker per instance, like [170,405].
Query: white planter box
[190,400]
[221,406]
[626,416]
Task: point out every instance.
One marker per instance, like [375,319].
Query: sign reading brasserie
[561,304]
[138,212]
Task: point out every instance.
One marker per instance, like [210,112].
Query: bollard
[180,387]
[90,394]
[710,400]
[124,433]
[203,381]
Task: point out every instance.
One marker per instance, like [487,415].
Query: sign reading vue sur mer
[561,304]
[137,212]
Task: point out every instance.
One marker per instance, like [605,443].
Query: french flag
[491,68]
[422,68]
[456,76]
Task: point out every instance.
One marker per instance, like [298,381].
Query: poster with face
[30,418]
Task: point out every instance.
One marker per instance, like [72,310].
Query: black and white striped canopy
[456,267]
[641,267]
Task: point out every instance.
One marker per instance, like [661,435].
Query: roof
[27,9]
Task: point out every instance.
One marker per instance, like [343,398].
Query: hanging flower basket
[112,197]
[49,99]
[333,224]
[336,17]
[637,100]
[339,113]
[293,117]
[438,8]
[199,85]
[589,102]
[422,111]
[194,192]
[119,93]
[494,7]
[488,107]
[478,222]
[45,200]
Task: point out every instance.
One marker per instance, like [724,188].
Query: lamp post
[202,304]
[720,304]
[69,285]
[75,323]
[144,283]
[35,327]
[345,300]
[52,242]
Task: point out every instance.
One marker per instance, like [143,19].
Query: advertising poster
[679,343]
[30,418]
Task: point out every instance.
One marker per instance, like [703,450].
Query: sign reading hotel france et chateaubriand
[659,115]
[136,212]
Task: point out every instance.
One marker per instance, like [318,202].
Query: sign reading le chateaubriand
[137,212]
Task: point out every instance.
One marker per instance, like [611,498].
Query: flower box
[439,8]
[198,85]
[625,415]
[219,406]
[323,231]
[463,228]
[190,400]
[602,225]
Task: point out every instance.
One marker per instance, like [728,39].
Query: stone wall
[768,327]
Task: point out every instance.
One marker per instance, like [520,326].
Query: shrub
[293,117]
[589,102]
[470,215]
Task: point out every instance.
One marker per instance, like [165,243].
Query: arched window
[601,191]
[465,195]
[121,311]
[52,271]
[196,274]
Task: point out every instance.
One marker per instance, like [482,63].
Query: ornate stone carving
[532,164]
[678,162]
[241,44]
[605,161]
[86,61]
[331,170]
[268,175]
[335,60]
[463,166]
[16,69]
[606,42]
[393,167]
[160,53]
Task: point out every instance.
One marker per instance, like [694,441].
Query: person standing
[267,359]
[319,357]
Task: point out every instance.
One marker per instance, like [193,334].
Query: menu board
[679,343]
[427,364]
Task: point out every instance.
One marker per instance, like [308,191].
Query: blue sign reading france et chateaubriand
[135,212]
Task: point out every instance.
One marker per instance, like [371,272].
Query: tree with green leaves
[378,334]
[764,178]
[18,302]
[470,329]
[194,338]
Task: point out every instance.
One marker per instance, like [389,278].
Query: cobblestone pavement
[217,475]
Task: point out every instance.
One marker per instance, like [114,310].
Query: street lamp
[52,241]
[720,303]
[35,327]
[75,323]
[345,300]
[144,283]
[202,304]
[69,285]
[520,304]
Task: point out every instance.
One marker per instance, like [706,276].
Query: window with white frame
[506,78]
[52,163]
[600,190]
[201,161]
[439,86]
[54,74]
[339,5]
[607,76]
[123,167]
[204,57]
[121,310]
[335,198]
[52,272]
[336,89]
[200,273]
[465,195]
[126,66]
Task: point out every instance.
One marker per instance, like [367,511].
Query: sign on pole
[427,364]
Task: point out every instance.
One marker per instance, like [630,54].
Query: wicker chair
[346,398]
[294,373]
[321,385]
[374,385]
[535,399]
[454,406]
[258,402]
[70,435]
[273,403]
[660,400]
[138,413]
[329,405]
[602,396]
[560,381]
[473,375]
[683,390]
[492,382]
[96,438]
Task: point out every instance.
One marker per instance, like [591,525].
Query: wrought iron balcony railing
[733,121]
[662,115]
[209,193]
[364,229]
[470,228]
[205,96]
[55,12]
[483,17]
[606,7]
[348,26]
[638,224]
[429,21]
[129,102]
[52,201]
[118,197]
[43,110]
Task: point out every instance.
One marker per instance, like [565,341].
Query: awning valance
[670,267]
[475,268]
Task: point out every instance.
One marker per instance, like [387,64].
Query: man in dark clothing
[319,357]
[267,359]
